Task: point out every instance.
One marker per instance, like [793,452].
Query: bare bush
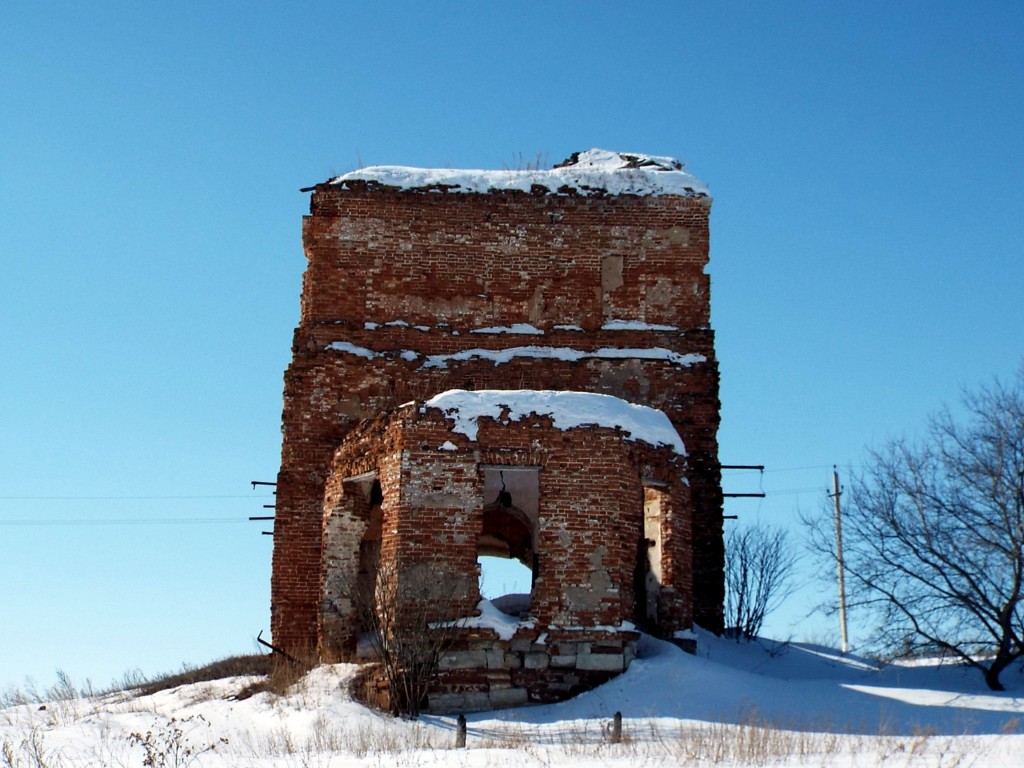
[174,744]
[759,563]
[31,753]
[409,613]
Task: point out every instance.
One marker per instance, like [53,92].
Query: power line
[785,491]
[799,469]
[791,469]
[132,498]
[128,521]
[770,493]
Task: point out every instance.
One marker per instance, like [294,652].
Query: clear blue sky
[865,158]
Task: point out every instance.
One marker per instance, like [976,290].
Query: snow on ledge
[625,626]
[635,325]
[568,354]
[590,172]
[506,625]
[566,409]
[353,349]
[520,328]
[490,618]
[371,326]
[502,356]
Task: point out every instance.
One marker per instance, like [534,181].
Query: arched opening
[506,547]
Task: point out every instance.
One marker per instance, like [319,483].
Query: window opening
[648,577]
[369,561]
[506,547]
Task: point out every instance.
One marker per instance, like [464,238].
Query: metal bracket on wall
[758,495]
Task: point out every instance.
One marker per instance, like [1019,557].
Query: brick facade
[410,292]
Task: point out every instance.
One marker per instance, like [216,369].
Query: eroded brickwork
[412,292]
[589,532]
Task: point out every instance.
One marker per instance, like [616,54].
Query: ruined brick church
[506,363]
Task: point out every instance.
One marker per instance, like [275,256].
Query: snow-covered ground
[733,704]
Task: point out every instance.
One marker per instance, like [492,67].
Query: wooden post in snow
[613,730]
[460,732]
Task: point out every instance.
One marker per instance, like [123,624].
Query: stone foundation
[532,667]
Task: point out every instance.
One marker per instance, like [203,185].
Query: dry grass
[30,752]
[752,742]
[645,742]
[257,664]
[65,690]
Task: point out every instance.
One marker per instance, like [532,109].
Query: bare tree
[759,564]
[409,615]
[934,534]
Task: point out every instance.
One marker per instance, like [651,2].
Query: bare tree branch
[935,534]
[759,563]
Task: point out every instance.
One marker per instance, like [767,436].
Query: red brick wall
[452,263]
[590,499]
[590,529]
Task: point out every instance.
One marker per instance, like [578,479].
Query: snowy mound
[566,409]
[596,171]
[731,705]
[513,604]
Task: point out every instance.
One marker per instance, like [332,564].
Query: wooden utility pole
[844,636]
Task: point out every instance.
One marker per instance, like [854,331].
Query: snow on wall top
[590,172]
[566,409]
